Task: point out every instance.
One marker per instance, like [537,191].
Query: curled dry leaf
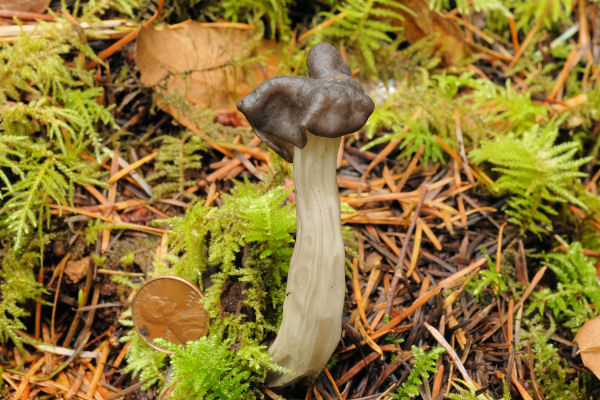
[373,261]
[38,6]
[588,340]
[77,269]
[424,22]
[208,64]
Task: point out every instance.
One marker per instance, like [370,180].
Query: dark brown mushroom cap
[329,103]
[325,62]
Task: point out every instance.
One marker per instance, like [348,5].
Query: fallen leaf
[136,215]
[77,269]
[207,64]
[373,261]
[37,6]
[588,340]
[424,22]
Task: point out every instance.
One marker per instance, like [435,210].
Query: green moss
[212,368]
[575,298]
[536,172]
[423,366]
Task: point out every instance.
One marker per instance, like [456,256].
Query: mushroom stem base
[312,312]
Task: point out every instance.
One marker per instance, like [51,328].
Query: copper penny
[169,307]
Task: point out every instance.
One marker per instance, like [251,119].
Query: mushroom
[303,119]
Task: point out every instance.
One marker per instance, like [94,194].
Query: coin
[169,307]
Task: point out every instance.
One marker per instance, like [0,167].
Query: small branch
[397,273]
[125,171]
[322,25]
[459,365]
[573,58]
[513,34]
[130,37]
[25,15]
[536,279]
[529,37]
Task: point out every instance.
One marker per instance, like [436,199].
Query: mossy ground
[496,115]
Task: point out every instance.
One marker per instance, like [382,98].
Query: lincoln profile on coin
[179,326]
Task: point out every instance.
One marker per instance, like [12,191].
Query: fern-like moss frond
[468,6]
[248,240]
[423,366]
[464,391]
[208,368]
[535,171]
[50,115]
[18,285]
[576,297]
[93,8]
[552,374]
[177,157]
[274,11]
[364,25]
[143,361]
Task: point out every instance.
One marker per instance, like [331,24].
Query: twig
[461,145]
[377,197]
[11,33]
[476,173]
[472,28]
[335,388]
[358,293]
[513,34]
[63,351]
[522,391]
[131,389]
[112,197]
[60,269]
[25,15]
[76,385]
[414,257]
[249,166]
[499,249]
[529,37]
[399,265]
[135,177]
[369,340]
[58,209]
[27,378]
[391,146]
[357,368]
[38,305]
[490,52]
[536,279]
[382,154]
[126,39]
[105,348]
[322,25]
[572,59]
[459,365]
[407,312]
[410,169]
[125,171]
[87,288]
[65,363]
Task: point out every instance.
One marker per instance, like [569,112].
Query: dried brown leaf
[373,261]
[588,340]
[77,269]
[424,22]
[201,63]
[37,6]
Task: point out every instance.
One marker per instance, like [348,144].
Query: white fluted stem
[312,312]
